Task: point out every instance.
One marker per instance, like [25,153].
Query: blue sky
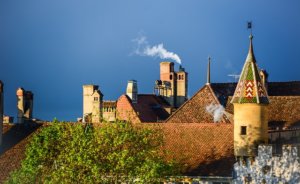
[54,47]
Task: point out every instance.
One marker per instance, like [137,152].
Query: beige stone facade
[109,111]
[92,103]
[250,128]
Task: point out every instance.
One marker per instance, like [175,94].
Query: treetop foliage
[81,153]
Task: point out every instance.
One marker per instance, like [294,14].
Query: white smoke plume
[216,111]
[143,48]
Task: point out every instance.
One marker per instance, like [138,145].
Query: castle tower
[168,77]
[132,90]
[250,103]
[24,105]
[182,86]
[1,111]
[172,85]
[92,103]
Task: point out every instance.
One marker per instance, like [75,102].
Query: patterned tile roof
[250,88]
[195,109]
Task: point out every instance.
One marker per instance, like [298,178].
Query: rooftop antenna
[235,76]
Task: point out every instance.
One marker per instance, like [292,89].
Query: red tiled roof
[194,110]
[290,88]
[125,110]
[203,149]
[151,108]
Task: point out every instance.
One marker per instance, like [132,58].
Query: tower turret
[169,85]
[250,103]
[181,86]
[92,103]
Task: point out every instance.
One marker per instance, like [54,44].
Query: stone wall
[269,168]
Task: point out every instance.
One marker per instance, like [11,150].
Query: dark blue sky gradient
[53,47]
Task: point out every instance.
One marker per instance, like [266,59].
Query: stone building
[172,85]
[109,110]
[142,108]
[92,103]
[24,105]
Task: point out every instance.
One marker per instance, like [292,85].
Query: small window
[171,77]
[182,77]
[95,98]
[243,130]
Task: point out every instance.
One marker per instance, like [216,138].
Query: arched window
[171,77]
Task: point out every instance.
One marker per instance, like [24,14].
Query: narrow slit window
[243,130]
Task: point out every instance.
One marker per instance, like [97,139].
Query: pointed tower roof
[250,88]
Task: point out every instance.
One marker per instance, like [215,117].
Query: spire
[208,70]
[250,88]
[250,56]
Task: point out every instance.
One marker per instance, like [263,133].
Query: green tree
[106,153]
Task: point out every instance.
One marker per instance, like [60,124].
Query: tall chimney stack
[132,90]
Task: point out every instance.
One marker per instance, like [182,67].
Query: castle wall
[268,168]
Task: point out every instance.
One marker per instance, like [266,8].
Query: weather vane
[249,26]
